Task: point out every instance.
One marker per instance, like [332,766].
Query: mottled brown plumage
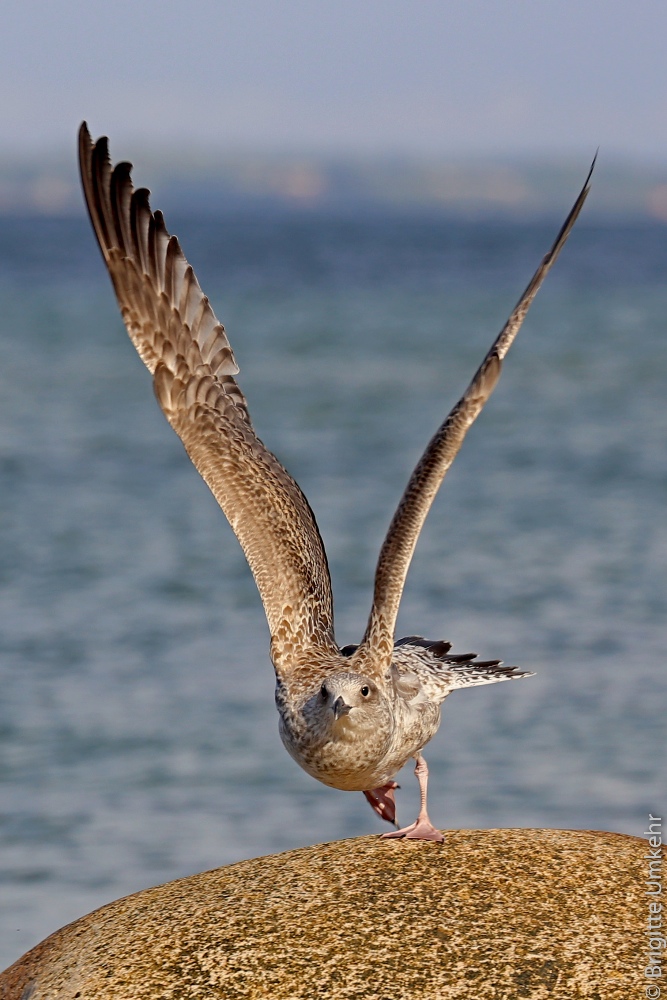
[350,717]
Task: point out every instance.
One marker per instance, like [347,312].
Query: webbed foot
[383,801]
[421,829]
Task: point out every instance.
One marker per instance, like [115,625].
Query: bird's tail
[461,669]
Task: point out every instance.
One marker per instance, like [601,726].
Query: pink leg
[422,828]
[383,802]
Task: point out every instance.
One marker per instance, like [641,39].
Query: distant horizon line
[183,147]
[481,187]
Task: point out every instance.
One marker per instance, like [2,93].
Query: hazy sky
[428,76]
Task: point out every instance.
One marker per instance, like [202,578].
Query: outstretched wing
[174,329]
[425,481]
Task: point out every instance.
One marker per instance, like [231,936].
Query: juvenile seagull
[351,717]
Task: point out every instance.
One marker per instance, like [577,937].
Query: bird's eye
[365,690]
[324,692]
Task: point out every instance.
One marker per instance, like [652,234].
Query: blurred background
[363,189]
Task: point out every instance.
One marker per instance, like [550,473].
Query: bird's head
[348,705]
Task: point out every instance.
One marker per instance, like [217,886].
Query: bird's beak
[340,708]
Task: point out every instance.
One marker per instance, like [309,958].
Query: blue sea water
[138,735]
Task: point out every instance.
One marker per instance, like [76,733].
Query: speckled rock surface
[488,914]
